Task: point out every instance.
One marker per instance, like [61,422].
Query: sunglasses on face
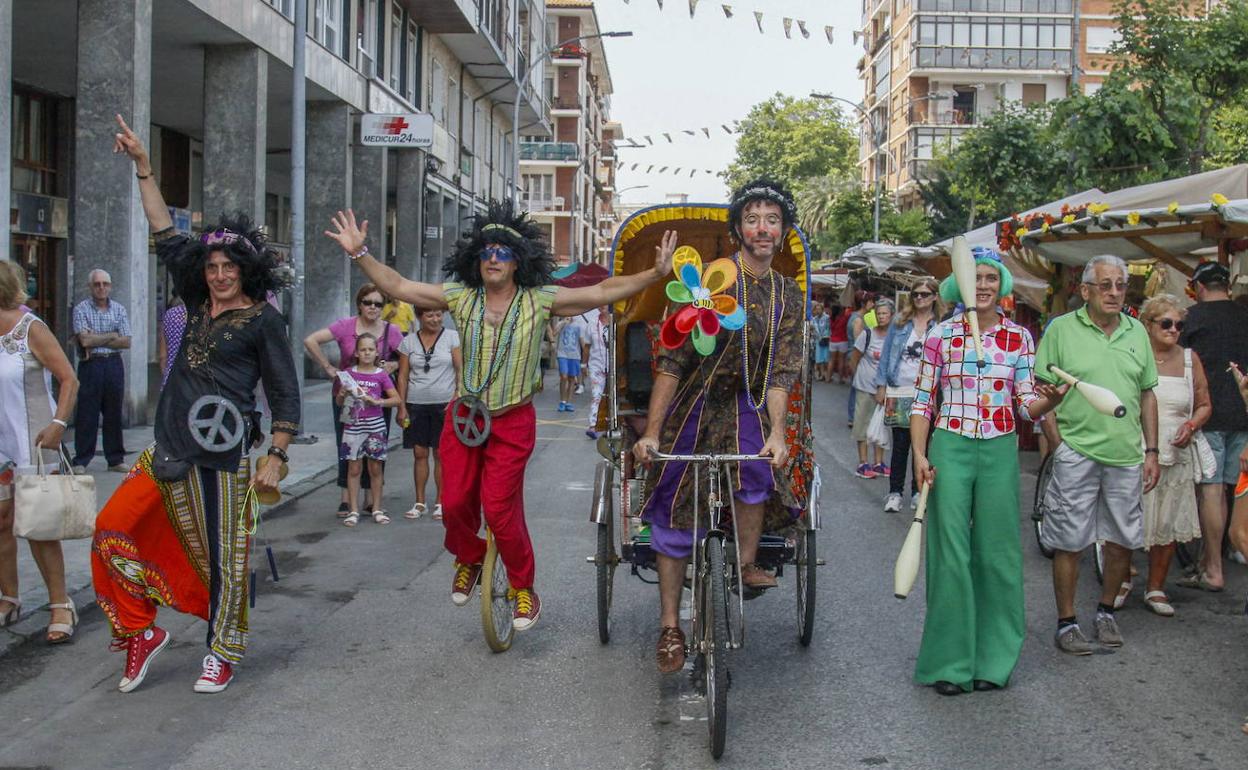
[922,294]
[371,303]
[1107,286]
[498,252]
[1169,323]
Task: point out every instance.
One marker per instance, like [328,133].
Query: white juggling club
[1102,399]
[964,274]
[907,569]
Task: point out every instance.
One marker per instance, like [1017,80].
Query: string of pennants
[674,171]
[629,142]
[785,21]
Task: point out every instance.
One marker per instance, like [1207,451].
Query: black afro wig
[503,226]
[262,271]
[761,189]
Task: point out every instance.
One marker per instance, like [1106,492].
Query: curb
[30,626]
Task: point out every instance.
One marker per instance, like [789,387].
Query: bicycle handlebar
[705,458]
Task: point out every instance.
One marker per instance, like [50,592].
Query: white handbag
[54,506]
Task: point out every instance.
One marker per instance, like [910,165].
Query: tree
[850,220]
[791,140]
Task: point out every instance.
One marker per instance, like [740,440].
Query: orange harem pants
[489,478]
[181,544]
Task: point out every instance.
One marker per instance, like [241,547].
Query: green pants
[974,626]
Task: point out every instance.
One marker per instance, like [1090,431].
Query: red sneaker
[140,649]
[528,607]
[216,676]
[466,577]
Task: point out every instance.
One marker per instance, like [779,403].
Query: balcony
[963,58]
[442,17]
[550,152]
[555,205]
[945,118]
[566,104]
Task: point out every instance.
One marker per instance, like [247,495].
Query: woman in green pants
[973,632]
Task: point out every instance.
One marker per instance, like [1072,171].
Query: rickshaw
[716,610]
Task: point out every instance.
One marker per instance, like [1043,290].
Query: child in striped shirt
[364,431]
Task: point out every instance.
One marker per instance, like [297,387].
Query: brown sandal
[670,651]
[757,578]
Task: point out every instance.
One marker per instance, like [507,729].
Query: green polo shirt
[1122,362]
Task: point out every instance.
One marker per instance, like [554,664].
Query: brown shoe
[670,651]
[757,578]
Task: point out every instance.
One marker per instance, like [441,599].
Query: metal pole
[298,168]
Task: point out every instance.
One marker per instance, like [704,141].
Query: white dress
[26,395]
[1170,514]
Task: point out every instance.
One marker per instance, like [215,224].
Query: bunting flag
[801,26]
[660,5]
[649,140]
[707,131]
[788,28]
[693,173]
[727,130]
[828,32]
[693,5]
[663,169]
[758,17]
[690,133]
[669,137]
[727,11]
[677,171]
[649,169]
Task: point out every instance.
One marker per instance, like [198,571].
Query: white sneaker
[415,512]
[892,503]
[914,501]
[580,389]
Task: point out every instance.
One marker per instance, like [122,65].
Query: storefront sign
[409,130]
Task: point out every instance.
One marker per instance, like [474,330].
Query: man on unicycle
[501,297]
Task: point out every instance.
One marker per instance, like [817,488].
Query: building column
[236,91]
[409,230]
[6,119]
[327,271]
[109,228]
[369,167]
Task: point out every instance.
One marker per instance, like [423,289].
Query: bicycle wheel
[1037,503]
[715,644]
[605,563]
[805,563]
[497,606]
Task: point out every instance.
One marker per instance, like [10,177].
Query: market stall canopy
[883,257]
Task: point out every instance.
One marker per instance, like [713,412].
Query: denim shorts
[570,367]
[1227,446]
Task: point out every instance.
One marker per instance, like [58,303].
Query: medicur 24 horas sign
[411,130]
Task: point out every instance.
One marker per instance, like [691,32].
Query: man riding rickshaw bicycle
[709,477]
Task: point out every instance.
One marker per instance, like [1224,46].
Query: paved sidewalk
[311,465]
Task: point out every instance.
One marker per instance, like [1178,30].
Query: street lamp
[515,115]
[618,193]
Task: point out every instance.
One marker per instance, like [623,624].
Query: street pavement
[359,660]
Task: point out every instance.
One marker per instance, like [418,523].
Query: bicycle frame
[716,504]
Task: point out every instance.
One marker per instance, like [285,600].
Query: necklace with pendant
[743,297]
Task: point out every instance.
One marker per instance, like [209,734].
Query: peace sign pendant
[209,421]
[465,412]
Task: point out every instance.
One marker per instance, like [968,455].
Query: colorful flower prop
[1218,199]
[707,308]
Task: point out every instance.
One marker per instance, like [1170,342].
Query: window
[539,190]
[284,7]
[1034,93]
[437,92]
[412,74]
[366,38]
[32,145]
[394,53]
[326,24]
[1100,39]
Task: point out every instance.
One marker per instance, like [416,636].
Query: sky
[678,73]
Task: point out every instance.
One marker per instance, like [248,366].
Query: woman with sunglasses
[345,331]
[1183,406]
[430,361]
[899,368]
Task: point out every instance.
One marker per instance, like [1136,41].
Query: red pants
[489,478]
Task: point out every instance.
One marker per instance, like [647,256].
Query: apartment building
[932,69]
[207,84]
[568,180]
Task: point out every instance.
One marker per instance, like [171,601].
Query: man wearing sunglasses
[1217,330]
[1100,471]
[501,297]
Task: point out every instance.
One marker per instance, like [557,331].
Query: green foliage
[850,219]
[792,140]
[1230,126]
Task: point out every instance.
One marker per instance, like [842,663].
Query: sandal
[1198,581]
[380,517]
[670,651]
[66,630]
[351,519]
[1158,602]
[437,512]
[415,512]
[343,510]
[757,578]
[10,617]
[1123,592]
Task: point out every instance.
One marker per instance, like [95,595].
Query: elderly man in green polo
[1100,469]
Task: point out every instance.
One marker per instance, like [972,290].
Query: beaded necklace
[743,297]
[502,344]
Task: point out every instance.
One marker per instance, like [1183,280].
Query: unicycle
[497,606]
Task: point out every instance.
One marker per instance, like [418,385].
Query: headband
[496,226]
[770,194]
[225,237]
